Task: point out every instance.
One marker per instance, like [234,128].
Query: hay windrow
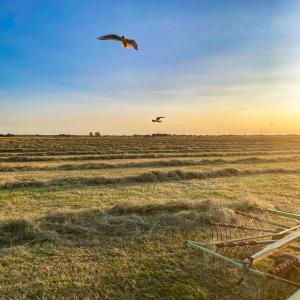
[149,177]
[147,164]
[142,155]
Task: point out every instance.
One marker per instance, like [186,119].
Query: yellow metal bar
[278,244]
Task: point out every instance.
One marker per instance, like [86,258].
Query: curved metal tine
[244,233]
[217,233]
[242,252]
[232,234]
[248,251]
[220,250]
[229,251]
[240,234]
[211,233]
[236,236]
[225,230]
[251,233]
[236,251]
[220,233]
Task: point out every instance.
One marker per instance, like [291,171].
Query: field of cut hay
[107,217]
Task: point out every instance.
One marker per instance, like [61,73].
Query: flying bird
[126,43]
[157,120]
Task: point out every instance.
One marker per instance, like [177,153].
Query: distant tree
[97,134]
[91,134]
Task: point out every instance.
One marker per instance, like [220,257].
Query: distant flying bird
[157,120]
[271,124]
[126,43]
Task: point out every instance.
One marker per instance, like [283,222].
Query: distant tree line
[7,135]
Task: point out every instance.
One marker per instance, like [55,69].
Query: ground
[107,217]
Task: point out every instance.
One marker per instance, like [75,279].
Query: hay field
[106,218]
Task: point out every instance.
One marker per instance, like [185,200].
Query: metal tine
[242,233]
[261,219]
[247,251]
[230,234]
[226,229]
[233,251]
[224,233]
[217,233]
[211,232]
[226,250]
[235,234]
[221,233]
[236,251]
[242,252]
[219,250]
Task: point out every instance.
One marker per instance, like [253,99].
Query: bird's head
[123,37]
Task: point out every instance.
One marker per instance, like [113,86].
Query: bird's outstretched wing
[133,44]
[110,37]
[158,118]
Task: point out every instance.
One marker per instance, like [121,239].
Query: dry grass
[119,234]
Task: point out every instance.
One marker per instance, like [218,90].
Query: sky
[209,66]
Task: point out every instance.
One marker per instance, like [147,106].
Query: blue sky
[206,65]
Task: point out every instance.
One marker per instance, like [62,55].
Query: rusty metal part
[285,265]
[244,243]
[280,257]
[293,247]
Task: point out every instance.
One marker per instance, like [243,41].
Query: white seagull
[157,120]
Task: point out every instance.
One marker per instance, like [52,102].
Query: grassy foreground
[117,231]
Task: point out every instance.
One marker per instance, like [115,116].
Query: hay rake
[254,238]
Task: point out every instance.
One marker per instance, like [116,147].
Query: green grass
[125,240]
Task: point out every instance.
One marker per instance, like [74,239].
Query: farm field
[107,218]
